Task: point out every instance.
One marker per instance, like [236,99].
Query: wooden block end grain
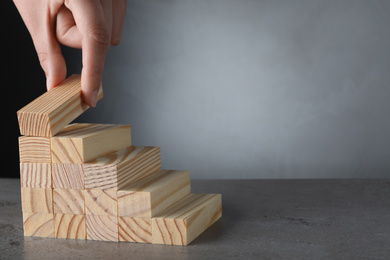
[37,200]
[38,224]
[68,176]
[138,230]
[34,149]
[69,201]
[49,113]
[35,175]
[103,228]
[70,226]
[101,202]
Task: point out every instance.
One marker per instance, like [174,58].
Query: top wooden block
[52,111]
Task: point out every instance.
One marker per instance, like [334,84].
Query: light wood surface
[50,112]
[38,224]
[70,226]
[35,175]
[34,149]
[68,176]
[152,194]
[104,228]
[69,201]
[101,202]
[79,143]
[37,200]
[186,219]
[118,169]
[137,230]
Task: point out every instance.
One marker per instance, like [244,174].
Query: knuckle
[100,36]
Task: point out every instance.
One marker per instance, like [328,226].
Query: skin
[92,25]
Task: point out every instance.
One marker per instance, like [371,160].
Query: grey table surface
[262,219]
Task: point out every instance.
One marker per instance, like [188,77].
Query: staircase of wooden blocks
[86,181]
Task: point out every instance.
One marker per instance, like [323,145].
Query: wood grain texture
[137,230]
[37,200]
[38,224]
[69,201]
[79,143]
[101,202]
[186,219]
[152,194]
[50,112]
[68,176]
[35,175]
[118,169]
[104,228]
[34,149]
[70,226]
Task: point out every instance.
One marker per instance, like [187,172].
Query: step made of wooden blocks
[38,224]
[49,113]
[152,194]
[70,226]
[34,149]
[118,169]
[35,175]
[186,219]
[86,181]
[79,143]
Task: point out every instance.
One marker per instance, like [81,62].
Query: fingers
[119,12]
[95,27]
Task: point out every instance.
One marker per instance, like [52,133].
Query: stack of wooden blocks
[86,181]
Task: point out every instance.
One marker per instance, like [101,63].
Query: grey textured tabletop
[262,219]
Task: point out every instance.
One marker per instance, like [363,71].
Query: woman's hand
[92,25]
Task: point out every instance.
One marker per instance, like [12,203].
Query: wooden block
[70,226]
[50,112]
[103,228]
[101,202]
[68,201]
[137,230]
[38,224]
[185,220]
[152,194]
[34,149]
[118,169]
[37,200]
[68,176]
[35,175]
[79,143]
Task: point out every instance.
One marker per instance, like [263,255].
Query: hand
[92,25]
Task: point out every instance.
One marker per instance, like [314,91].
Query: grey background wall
[255,89]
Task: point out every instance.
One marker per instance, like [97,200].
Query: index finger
[95,29]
